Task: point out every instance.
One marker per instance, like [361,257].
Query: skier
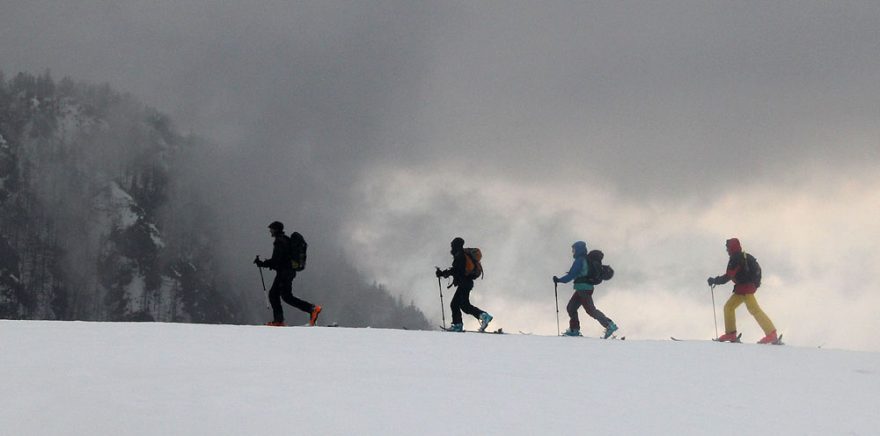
[746,283]
[282,286]
[464,284]
[583,293]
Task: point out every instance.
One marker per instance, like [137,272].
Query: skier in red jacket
[745,272]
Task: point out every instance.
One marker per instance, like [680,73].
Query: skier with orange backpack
[745,272]
[465,268]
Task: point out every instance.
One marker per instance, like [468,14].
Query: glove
[438,273]
[259,263]
[711,281]
[555,280]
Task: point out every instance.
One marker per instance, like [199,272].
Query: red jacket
[742,284]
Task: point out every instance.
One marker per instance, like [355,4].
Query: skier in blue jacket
[583,293]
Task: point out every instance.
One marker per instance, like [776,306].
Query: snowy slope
[76,378]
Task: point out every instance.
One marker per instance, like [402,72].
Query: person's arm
[733,268]
[279,255]
[457,264]
[576,267]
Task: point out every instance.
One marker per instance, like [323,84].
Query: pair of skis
[494,332]
[735,341]
[738,340]
[333,324]
[612,337]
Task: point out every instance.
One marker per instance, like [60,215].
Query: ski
[494,332]
[612,337]
[334,324]
[737,341]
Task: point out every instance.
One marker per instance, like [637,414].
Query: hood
[580,248]
[733,246]
[276,225]
[456,245]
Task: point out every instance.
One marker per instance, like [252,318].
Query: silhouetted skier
[282,287]
[463,271]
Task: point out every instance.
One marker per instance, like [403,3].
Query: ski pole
[714,316]
[556,293]
[263,281]
[442,307]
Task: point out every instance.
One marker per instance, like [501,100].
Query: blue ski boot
[456,328]
[572,332]
[485,319]
[612,327]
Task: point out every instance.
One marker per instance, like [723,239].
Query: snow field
[79,378]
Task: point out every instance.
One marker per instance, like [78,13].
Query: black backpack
[298,247]
[597,272]
[752,269]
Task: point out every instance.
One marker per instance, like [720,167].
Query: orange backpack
[472,267]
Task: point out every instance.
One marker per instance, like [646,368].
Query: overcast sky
[653,131]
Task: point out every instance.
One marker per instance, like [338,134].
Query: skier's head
[733,246]
[457,245]
[276,228]
[578,249]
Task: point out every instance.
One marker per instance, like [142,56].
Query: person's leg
[730,312]
[574,304]
[758,313]
[465,303]
[458,299]
[586,298]
[275,299]
[289,298]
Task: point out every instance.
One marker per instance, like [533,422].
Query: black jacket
[458,272]
[281,254]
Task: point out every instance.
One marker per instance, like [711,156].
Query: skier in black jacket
[282,286]
[464,285]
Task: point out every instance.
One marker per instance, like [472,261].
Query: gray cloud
[648,96]
[658,97]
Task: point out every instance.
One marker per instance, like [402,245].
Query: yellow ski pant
[751,304]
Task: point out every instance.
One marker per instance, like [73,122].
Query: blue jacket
[579,268]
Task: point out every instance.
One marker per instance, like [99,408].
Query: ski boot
[455,328]
[572,332]
[276,324]
[485,319]
[612,327]
[728,337]
[769,339]
[313,316]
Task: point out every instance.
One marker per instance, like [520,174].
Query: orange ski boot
[314,315]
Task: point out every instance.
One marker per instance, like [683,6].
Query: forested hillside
[93,224]
[99,220]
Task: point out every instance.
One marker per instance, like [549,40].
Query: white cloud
[813,236]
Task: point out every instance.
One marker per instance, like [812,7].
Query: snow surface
[79,378]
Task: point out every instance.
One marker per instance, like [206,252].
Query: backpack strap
[584,277]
